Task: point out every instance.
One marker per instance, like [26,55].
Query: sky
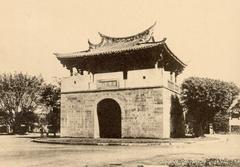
[204,34]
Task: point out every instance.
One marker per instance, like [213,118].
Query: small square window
[125,74]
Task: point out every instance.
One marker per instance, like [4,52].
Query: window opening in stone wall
[125,74]
[171,76]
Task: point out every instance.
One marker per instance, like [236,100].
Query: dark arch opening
[109,118]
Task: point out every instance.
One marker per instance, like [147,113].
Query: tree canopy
[204,97]
[50,96]
[19,93]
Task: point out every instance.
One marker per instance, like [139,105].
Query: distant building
[234,119]
[119,88]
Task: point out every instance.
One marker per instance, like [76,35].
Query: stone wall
[135,78]
[142,111]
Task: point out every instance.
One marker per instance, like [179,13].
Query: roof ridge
[149,28]
[144,36]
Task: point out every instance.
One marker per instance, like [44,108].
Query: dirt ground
[20,151]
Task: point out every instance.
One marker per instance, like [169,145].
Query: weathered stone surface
[141,112]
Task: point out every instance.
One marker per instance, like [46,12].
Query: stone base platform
[121,142]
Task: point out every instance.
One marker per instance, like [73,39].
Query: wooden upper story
[122,62]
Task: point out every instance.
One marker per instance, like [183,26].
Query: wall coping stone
[119,89]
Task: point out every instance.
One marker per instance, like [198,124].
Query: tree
[19,94]
[6,119]
[24,121]
[203,98]
[50,96]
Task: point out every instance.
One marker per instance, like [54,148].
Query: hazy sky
[205,34]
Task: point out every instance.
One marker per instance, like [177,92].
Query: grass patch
[211,162]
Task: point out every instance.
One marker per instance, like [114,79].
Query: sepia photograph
[130,83]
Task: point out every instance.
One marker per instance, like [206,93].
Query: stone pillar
[156,65]
[163,77]
[166,113]
[95,125]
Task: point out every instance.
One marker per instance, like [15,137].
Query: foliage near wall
[50,96]
[177,118]
[203,98]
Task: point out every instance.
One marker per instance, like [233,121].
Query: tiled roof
[114,45]
[109,45]
[122,47]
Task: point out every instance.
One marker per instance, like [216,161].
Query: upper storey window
[125,74]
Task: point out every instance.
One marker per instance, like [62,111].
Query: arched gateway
[137,71]
[109,119]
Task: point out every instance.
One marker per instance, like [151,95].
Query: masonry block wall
[145,112]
